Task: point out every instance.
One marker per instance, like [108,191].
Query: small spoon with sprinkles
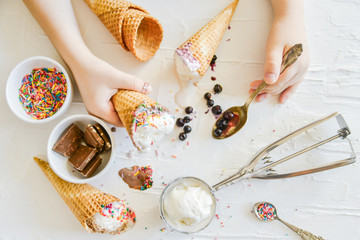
[267,212]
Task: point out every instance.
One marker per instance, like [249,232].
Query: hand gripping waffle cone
[198,51]
[85,200]
[126,103]
[131,25]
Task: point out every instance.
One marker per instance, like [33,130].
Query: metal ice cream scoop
[267,212]
[240,112]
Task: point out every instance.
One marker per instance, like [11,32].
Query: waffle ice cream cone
[85,201]
[198,51]
[131,25]
[127,105]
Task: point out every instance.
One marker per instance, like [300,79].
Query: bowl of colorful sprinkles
[38,90]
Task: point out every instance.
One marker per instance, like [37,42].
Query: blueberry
[189,110]
[217,88]
[210,103]
[186,119]
[179,122]
[187,129]
[222,124]
[213,59]
[217,132]
[228,115]
[216,110]
[207,96]
[182,136]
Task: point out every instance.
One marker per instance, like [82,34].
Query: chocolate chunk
[69,141]
[82,157]
[137,177]
[93,139]
[103,134]
[91,167]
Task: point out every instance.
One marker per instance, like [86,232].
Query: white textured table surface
[326,203]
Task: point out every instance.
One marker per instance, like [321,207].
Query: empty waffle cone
[202,45]
[126,102]
[131,25]
[84,200]
[142,34]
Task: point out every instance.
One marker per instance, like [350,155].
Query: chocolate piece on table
[82,157]
[91,167]
[103,134]
[93,139]
[69,141]
[136,177]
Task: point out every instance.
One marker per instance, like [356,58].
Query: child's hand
[98,81]
[286,31]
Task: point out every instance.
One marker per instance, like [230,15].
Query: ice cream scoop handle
[302,233]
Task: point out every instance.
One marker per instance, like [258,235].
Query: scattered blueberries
[180,122]
[216,110]
[187,129]
[217,132]
[182,136]
[186,119]
[207,96]
[189,110]
[217,88]
[210,103]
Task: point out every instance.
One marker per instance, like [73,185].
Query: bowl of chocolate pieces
[80,148]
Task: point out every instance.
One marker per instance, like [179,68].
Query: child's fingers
[286,94]
[273,61]
[260,97]
[255,84]
[284,81]
[127,81]
[108,113]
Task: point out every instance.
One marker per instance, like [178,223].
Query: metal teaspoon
[267,212]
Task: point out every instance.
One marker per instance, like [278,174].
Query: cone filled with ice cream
[197,52]
[145,120]
[98,212]
[132,26]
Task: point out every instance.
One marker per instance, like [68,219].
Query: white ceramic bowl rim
[13,99]
[58,129]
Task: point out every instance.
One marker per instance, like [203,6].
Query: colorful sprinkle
[266,211]
[42,92]
[145,113]
[118,211]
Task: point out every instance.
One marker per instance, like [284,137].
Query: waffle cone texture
[131,25]
[203,44]
[126,102]
[84,200]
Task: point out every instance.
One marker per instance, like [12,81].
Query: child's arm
[288,28]
[96,79]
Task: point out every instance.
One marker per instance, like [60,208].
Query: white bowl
[60,164]
[14,83]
